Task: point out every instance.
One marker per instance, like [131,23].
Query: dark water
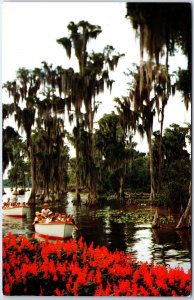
[123,228]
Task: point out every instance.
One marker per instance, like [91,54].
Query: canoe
[19,211]
[59,230]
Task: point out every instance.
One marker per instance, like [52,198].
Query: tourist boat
[59,230]
[18,211]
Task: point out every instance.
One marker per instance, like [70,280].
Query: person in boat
[69,218]
[63,218]
[57,217]
[45,210]
[7,204]
[38,218]
[60,217]
[49,217]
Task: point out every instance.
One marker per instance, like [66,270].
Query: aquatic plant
[72,268]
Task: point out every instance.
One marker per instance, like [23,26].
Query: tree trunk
[155,223]
[160,151]
[92,196]
[152,183]
[77,198]
[185,220]
[32,197]
[92,199]
[121,190]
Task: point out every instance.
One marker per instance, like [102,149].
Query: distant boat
[59,230]
[18,211]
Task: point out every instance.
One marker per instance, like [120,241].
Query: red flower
[98,276]
[83,268]
[174,294]
[143,291]
[124,287]
[57,292]
[7,290]
[75,289]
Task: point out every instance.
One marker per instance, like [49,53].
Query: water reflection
[17,226]
[142,245]
[43,239]
[127,229]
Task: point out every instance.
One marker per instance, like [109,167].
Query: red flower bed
[72,268]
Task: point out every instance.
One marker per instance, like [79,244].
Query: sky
[30,31]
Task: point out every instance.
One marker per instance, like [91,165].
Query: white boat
[18,211]
[58,230]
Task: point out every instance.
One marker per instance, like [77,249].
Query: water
[123,228]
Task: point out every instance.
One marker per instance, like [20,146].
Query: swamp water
[116,227]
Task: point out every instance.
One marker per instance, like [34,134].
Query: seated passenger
[69,218]
[56,217]
[60,217]
[45,210]
[37,218]
[63,218]
[5,205]
[49,217]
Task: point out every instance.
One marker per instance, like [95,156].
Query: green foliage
[19,174]
[10,138]
[176,166]
[115,151]
[138,178]
[183,85]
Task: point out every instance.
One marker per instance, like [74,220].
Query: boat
[18,211]
[59,230]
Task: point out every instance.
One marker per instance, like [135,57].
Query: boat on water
[59,230]
[18,211]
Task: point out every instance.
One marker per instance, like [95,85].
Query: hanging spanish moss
[162,28]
